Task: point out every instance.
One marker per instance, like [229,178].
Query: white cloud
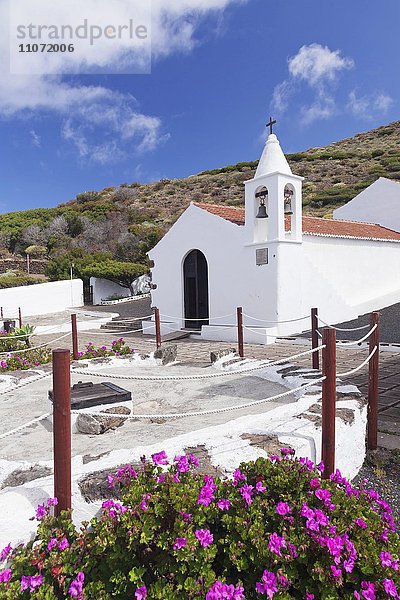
[317,67]
[315,64]
[324,107]
[369,106]
[36,140]
[102,124]
[383,102]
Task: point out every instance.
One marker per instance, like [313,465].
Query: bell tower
[273,198]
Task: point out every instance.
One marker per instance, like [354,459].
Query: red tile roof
[313,225]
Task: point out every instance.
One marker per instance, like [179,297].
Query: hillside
[138,214]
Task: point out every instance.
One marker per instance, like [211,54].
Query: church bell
[262,211]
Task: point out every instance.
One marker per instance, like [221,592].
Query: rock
[167,354]
[217,354]
[267,442]
[90,425]
[19,477]
[95,486]
[144,356]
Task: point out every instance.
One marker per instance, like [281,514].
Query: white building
[277,267]
[378,203]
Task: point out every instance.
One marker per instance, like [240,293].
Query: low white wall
[42,298]
[103,288]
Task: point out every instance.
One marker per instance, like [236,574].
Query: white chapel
[270,260]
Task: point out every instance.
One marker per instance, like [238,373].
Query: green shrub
[25,360]
[87,197]
[277,530]
[18,279]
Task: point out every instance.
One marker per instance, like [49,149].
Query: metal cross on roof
[270,124]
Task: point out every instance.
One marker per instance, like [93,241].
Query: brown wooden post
[20,316]
[239,312]
[314,338]
[328,400]
[158,327]
[62,429]
[75,345]
[373,378]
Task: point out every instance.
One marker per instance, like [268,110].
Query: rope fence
[262,365]
[201,413]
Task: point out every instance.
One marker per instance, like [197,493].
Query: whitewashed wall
[350,277]
[42,298]
[378,203]
[103,288]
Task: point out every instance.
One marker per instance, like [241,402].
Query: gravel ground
[381,469]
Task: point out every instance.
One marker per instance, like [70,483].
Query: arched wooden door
[195,275]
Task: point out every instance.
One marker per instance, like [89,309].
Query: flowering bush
[276,530]
[25,360]
[118,348]
[41,356]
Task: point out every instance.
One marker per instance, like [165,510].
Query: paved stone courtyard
[195,352]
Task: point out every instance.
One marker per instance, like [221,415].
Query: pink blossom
[160,458]
[204,536]
[390,588]
[283,508]
[5,552]
[76,587]
[64,544]
[368,590]
[223,591]
[247,492]
[276,543]
[260,487]
[335,571]
[5,576]
[141,593]
[179,543]
[268,585]
[361,523]
[223,504]
[52,544]
[30,583]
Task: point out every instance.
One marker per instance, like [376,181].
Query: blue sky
[325,69]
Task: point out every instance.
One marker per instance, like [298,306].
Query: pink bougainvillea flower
[76,587]
[31,583]
[268,585]
[368,590]
[204,536]
[287,451]
[361,523]
[283,508]
[246,491]
[160,458]
[223,504]
[5,552]
[141,593]
[315,482]
[5,576]
[63,544]
[335,571]
[260,487]
[390,588]
[223,591]
[238,476]
[276,543]
[52,544]
[179,543]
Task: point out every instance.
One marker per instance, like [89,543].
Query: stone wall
[37,265]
